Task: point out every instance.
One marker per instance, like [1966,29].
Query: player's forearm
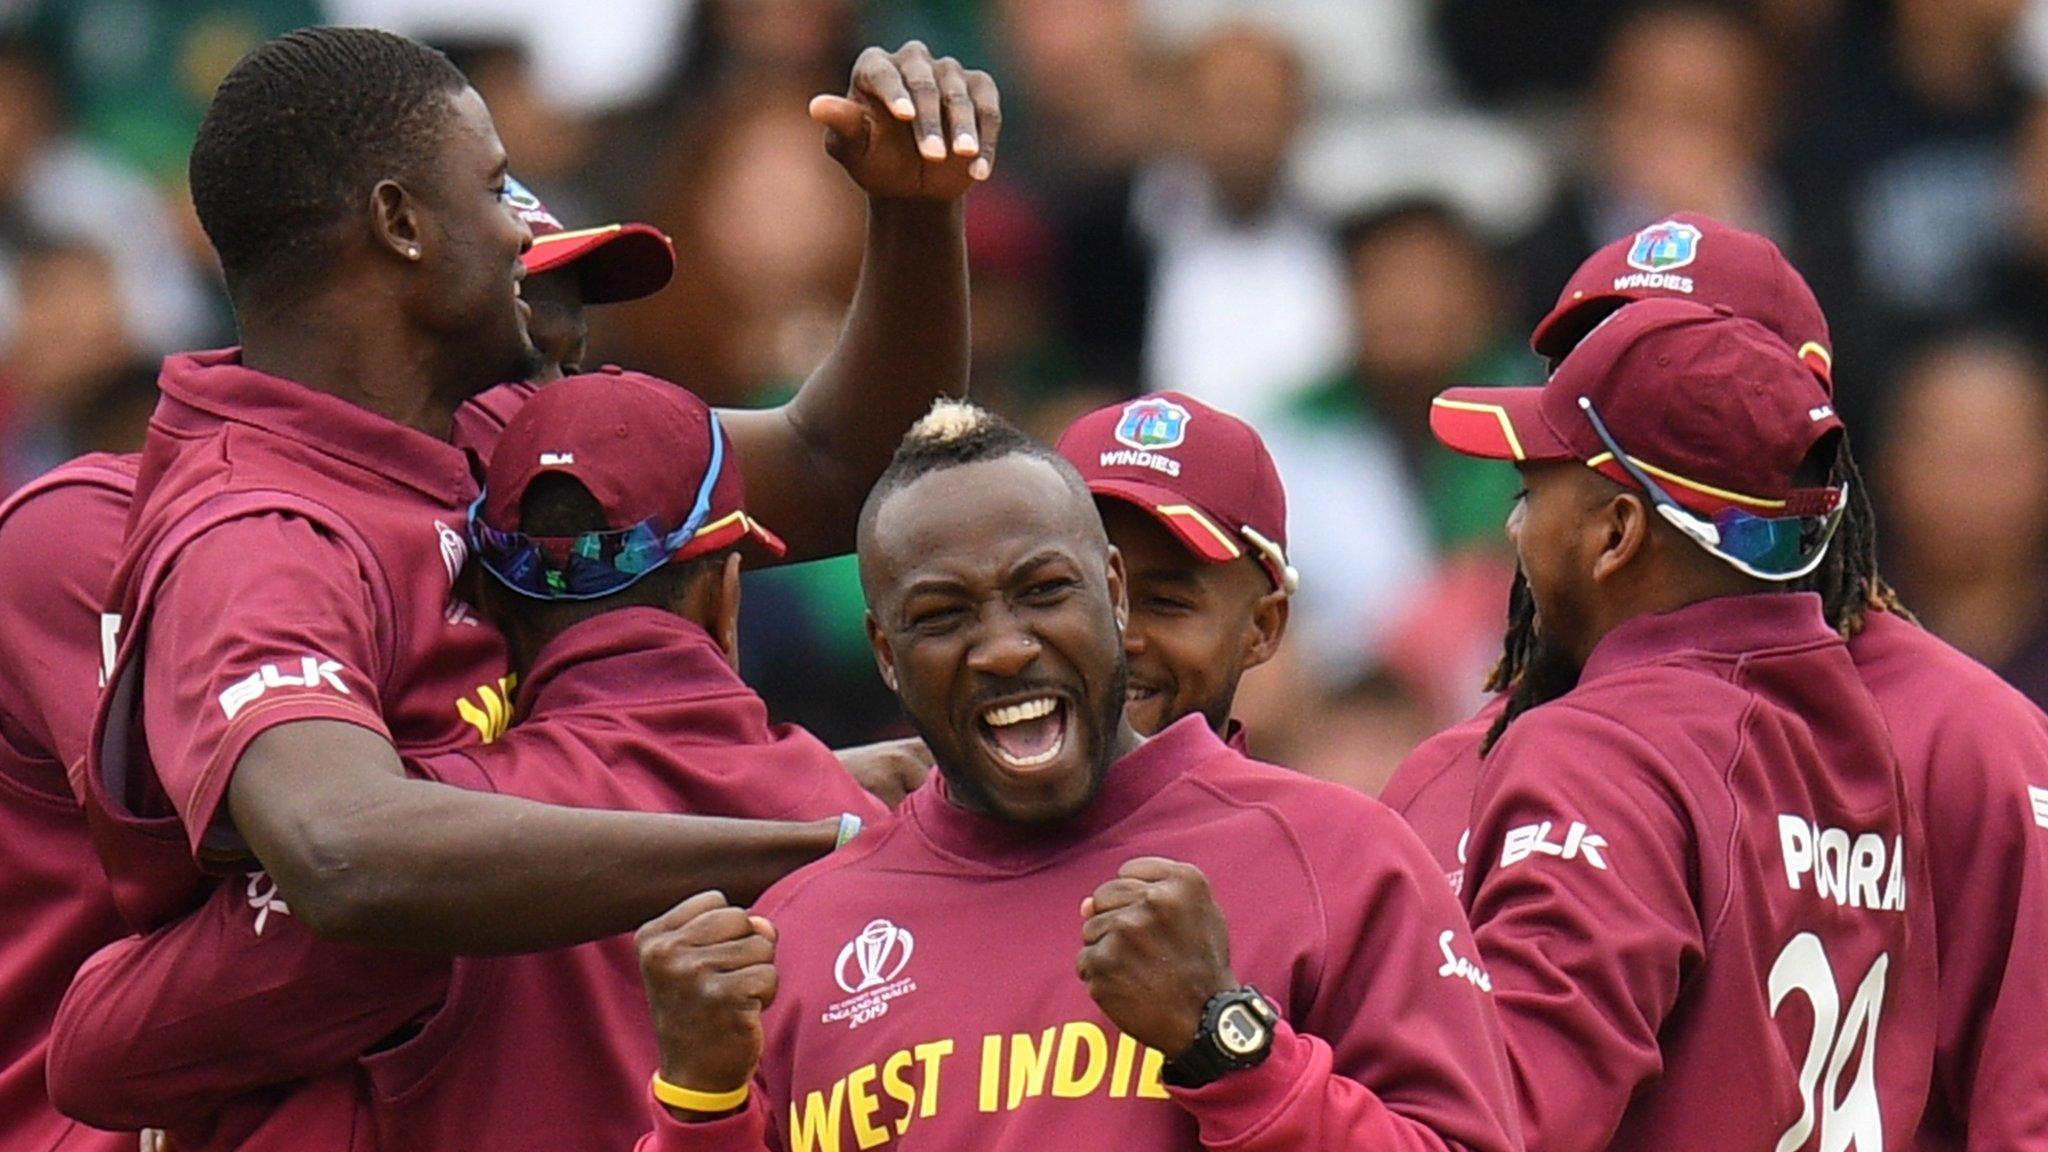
[904,343]
[430,868]
[366,855]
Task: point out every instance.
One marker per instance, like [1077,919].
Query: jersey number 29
[1856,1122]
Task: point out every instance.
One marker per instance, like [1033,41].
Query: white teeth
[1018,713]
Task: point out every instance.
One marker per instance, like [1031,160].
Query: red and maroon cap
[645,448]
[1711,404]
[614,262]
[1203,473]
[1692,257]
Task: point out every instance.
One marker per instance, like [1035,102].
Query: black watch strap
[1236,1033]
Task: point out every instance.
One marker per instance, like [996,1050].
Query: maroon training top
[928,997]
[635,709]
[1703,897]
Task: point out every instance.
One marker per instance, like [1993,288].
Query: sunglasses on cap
[1777,549]
[590,565]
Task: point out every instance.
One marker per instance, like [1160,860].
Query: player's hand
[709,969]
[911,127]
[1154,950]
[890,769]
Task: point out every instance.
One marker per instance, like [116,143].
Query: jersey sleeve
[162,1030]
[58,549]
[1580,893]
[259,622]
[1400,1048]
[1993,1073]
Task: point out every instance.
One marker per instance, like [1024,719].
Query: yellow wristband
[691,1100]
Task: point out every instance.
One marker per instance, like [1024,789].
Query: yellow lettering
[1120,1077]
[818,1124]
[491,720]
[1028,1064]
[991,1071]
[1069,1079]
[928,1097]
[1150,1087]
[860,1096]
[898,1088]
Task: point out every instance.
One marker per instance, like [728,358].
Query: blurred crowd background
[1315,213]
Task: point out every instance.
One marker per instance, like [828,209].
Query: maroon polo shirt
[927,989]
[58,540]
[290,556]
[204,1026]
[1432,788]
[1702,895]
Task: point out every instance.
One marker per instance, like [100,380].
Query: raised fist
[709,969]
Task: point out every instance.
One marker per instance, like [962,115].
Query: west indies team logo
[1662,247]
[529,207]
[1153,425]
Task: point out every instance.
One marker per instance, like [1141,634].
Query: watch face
[1239,1031]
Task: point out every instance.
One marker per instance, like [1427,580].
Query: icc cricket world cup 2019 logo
[870,971]
[875,952]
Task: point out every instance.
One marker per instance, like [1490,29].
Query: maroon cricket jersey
[928,997]
[59,537]
[636,709]
[290,556]
[1975,753]
[1702,895]
[1432,788]
[1975,759]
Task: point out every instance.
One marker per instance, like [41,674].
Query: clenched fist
[1154,950]
[709,969]
[911,127]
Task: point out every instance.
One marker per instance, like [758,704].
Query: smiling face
[995,606]
[1195,626]
[471,240]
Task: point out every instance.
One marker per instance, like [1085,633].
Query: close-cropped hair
[300,131]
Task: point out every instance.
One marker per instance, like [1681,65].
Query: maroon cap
[1200,471]
[614,262]
[1698,258]
[645,448]
[1712,405]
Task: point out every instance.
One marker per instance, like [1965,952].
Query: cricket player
[611,535]
[1072,936]
[1695,878]
[304,479]
[1973,750]
[1191,498]
[60,538]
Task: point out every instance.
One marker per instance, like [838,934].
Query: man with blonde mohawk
[1259,960]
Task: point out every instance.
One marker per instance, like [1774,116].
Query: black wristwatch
[1237,1033]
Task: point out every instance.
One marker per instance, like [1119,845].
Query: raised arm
[915,133]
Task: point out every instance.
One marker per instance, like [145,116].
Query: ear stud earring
[412,251]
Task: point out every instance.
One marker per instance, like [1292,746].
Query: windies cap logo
[529,207]
[879,952]
[1153,424]
[1662,247]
